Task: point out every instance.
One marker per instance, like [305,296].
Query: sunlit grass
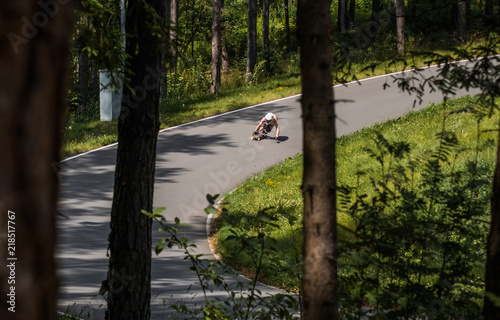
[81,136]
[279,186]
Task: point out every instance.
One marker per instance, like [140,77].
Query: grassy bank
[269,206]
[88,132]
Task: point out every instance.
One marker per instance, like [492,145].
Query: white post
[110,97]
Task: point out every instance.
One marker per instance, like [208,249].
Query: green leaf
[159,248]
[211,198]
[211,210]
[158,211]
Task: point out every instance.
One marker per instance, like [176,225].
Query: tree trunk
[319,284]
[488,8]
[224,53]
[352,14]
[490,312]
[287,29]
[174,9]
[94,80]
[83,81]
[193,27]
[129,274]
[265,25]
[461,20]
[375,19]
[165,52]
[33,89]
[225,59]
[252,39]
[216,46]
[400,25]
[342,23]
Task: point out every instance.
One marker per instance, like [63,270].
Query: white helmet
[269,116]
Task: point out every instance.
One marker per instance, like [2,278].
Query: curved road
[213,155]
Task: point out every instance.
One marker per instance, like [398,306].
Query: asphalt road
[213,156]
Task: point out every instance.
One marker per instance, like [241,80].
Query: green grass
[279,186]
[82,135]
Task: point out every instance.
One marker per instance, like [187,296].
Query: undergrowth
[413,214]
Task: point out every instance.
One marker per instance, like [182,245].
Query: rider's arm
[277,127]
[259,125]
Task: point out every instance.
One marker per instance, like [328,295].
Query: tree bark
[490,312]
[287,28]
[216,46]
[352,14]
[165,51]
[342,23]
[225,59]
[319,284]
[94,80]
[193,27]
[129,274]
[375,19]
[461,20]
[224,53]
[400,25]
[252,39]
[34,55]
[488,7]
[83,81]
[174,10]
[265,25]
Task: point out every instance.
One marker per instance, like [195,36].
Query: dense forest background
[210,48]
[365,32]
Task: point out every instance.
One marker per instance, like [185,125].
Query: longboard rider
[267,124]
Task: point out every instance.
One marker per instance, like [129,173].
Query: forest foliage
[430,268]
[368,37]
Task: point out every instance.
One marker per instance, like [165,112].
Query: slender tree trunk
[319,284]
[252,39]
[83,75]
[83,81]
[193,27]
[490,312]
[287,28]
[342,23]
[216,46]
[400,25]
[174,8]
[224,53]
[129,274]
[165,52]
[94,80]
[265,25]
[488,8]
[461,20]
[352,14]
[375,19]
[225,58]
[34,77]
